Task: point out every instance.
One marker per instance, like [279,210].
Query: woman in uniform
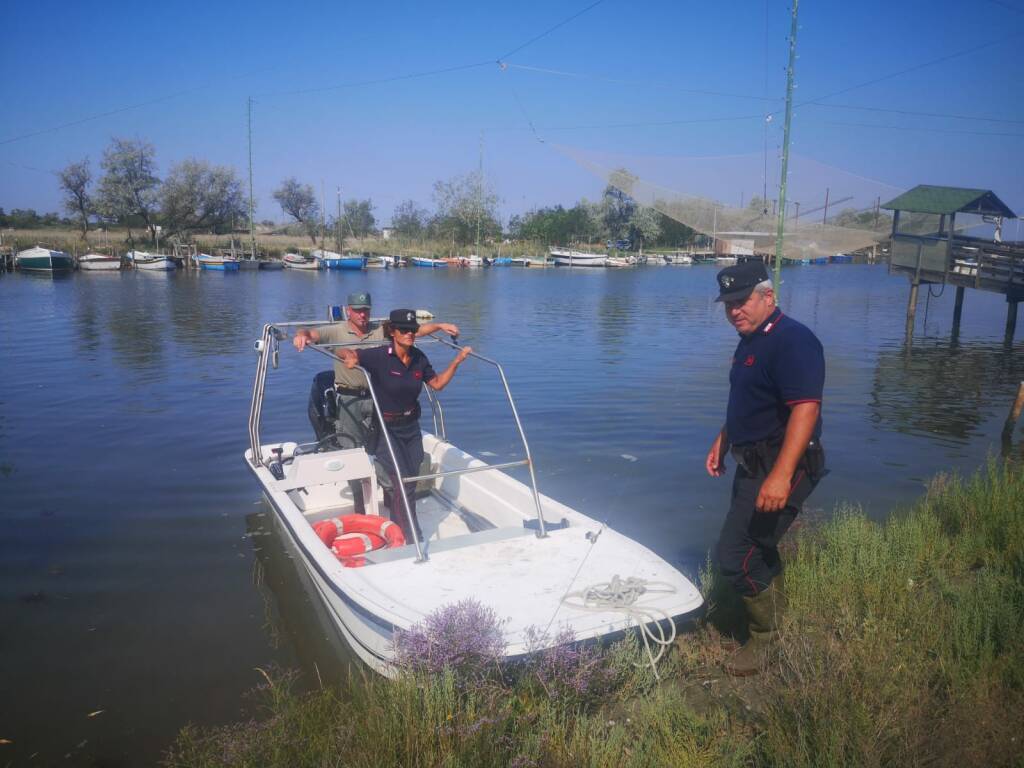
[398,372]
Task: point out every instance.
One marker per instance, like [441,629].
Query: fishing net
[828,211]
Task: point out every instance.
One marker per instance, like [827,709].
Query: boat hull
[44,260]
[522,578]
[432,263]
[568,258]
[99,263]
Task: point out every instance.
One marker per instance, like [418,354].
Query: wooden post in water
[1011,419]
[912,308]
[1011,320]
[958,309]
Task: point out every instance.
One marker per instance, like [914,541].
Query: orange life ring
[350,536]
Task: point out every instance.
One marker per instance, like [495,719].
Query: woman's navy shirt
[397,386]
[779,365]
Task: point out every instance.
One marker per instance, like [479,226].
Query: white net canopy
[828,210]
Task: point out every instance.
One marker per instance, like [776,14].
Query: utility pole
[824,216]
[479,192]
[780,232]
[252,224]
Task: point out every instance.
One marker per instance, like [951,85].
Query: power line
[99,115]
[925,130]
[657,83]
[378,81]
[547,32]
[656,123]
[914,113]
[908,70]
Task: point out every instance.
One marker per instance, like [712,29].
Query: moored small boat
[565,257]
[151,262]
[423,261]
[216,263]
[298,261]
[39,259]
[98,262]
[486,536]
[332,260]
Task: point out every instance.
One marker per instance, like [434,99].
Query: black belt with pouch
[757,458]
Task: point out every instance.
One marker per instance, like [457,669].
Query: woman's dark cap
[403,318]
[736,283]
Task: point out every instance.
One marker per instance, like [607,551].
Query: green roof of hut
[925,198]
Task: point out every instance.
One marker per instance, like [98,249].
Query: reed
[903,646]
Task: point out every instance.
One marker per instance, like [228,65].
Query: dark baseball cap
[736,283]
[403,318]
[359,300]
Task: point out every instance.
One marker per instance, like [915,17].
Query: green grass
[902,647]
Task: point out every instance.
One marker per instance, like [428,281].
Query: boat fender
[351,544]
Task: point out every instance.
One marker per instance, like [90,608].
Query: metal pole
[824,216]
[252,223]
[780,232]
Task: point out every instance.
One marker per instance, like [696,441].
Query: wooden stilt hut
[942,256]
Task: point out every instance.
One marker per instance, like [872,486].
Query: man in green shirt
[355,407]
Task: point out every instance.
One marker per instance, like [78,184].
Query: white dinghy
[488,537]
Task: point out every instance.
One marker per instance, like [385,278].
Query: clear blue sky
[390,141]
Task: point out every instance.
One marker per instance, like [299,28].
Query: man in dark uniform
[772,429]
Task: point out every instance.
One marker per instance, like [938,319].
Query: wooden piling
[1014,415]
[912,308]
[1011,321]
[958,309]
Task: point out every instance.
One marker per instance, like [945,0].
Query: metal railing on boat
[268,347]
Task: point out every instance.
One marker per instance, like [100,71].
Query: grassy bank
[903,646]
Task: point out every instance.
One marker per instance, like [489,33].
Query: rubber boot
[764,615]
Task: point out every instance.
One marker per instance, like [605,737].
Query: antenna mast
[785,151]
[252,223]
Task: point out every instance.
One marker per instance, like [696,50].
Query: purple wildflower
[465,637]
[568,671]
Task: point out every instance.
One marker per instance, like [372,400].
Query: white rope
[622,595]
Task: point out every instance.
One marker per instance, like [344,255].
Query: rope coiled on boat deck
[622,595]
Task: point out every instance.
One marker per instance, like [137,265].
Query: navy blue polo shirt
[776,367]
[396,385]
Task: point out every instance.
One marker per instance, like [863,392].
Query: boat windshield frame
[268,348]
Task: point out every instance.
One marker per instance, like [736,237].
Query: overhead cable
[547,32]
[378,81]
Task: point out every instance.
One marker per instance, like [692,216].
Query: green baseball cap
[359,300]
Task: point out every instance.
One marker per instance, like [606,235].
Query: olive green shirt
[342,333]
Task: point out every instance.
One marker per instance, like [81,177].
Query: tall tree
[74,183]
[644,225]
[299,201]
[197,196]
[129,187]
[357,218]
[464,205]
[409,220]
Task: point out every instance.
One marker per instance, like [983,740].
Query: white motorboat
[620,261]
[151,262]
[98,262]
[565,257]
[678,259]
[488,537]
[298,261]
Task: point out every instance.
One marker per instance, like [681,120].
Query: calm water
[138,575]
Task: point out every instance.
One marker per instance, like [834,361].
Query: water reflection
[944,390]
[293,614]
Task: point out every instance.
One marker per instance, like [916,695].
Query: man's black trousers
[747,548]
